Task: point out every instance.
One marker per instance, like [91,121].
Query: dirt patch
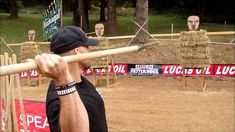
[168,52]
[153,104]
[158,104]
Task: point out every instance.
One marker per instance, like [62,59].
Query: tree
[102,10]
[201,10]
[112,17]
[14,9]
[83,11]
[80,14]
[141,13]
[76,16]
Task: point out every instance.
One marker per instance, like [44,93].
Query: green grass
[14,31]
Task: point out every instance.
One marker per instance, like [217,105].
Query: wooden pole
[6,44]
[81,22]
[8,124]
[61,12]
[19,91]
[183,79]
[2,87]
[141,27]
[173,35]
[146,32]
[203,81]
[131,36]
[16,68]
[6,78]
[13,108]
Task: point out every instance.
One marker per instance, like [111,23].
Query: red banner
[35,113]
[118,69]
[176,70]
[29,74]
[224,70]
[212,70]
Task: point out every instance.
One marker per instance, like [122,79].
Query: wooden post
[6,45]
[19,91]
[8,122]
[203,81]
[183,79]
[6,78]
[61,12]
[81,22]
[2,87]
[115,76]
[13,108]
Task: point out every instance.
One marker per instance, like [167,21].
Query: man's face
[31,35]
[193,23]
[84,63]
[99,29]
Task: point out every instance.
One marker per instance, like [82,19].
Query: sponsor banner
[176,70]
[3,118]
[35,113]
[144,70]
[118,69]
[224,70]
[29,74]
[52,19]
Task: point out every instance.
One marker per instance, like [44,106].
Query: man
[73,103]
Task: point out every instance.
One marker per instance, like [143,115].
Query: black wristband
[66,89]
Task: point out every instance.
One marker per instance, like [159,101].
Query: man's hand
[54,67]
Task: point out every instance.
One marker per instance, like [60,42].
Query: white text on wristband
[66,91]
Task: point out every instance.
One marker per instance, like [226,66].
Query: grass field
[15,31]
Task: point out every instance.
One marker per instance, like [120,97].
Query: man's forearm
[73,115]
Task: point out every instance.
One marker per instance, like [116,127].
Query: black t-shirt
[90,97]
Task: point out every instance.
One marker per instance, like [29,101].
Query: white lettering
[45,124]
[225,70]
[51,20]
[198,71]
[29,119]
[232,70]
[218,71]
[37,121]
[189,71]
[178,70]
[207,71]
[166,70]
[172,69]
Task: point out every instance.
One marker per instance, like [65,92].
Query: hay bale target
[28,51]
[102,80]
[194,50]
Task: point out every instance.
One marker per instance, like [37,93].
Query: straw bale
[103,45]
[29,51]
[194,49]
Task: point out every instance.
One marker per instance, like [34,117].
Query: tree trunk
[142,16]
[83,11]
[112,18]
[76,16]
[102,10]
[201,10]
[14,10]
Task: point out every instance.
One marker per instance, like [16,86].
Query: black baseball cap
[68,38]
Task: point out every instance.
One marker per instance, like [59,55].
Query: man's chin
[87,67]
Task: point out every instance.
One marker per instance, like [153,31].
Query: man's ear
[76,50]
